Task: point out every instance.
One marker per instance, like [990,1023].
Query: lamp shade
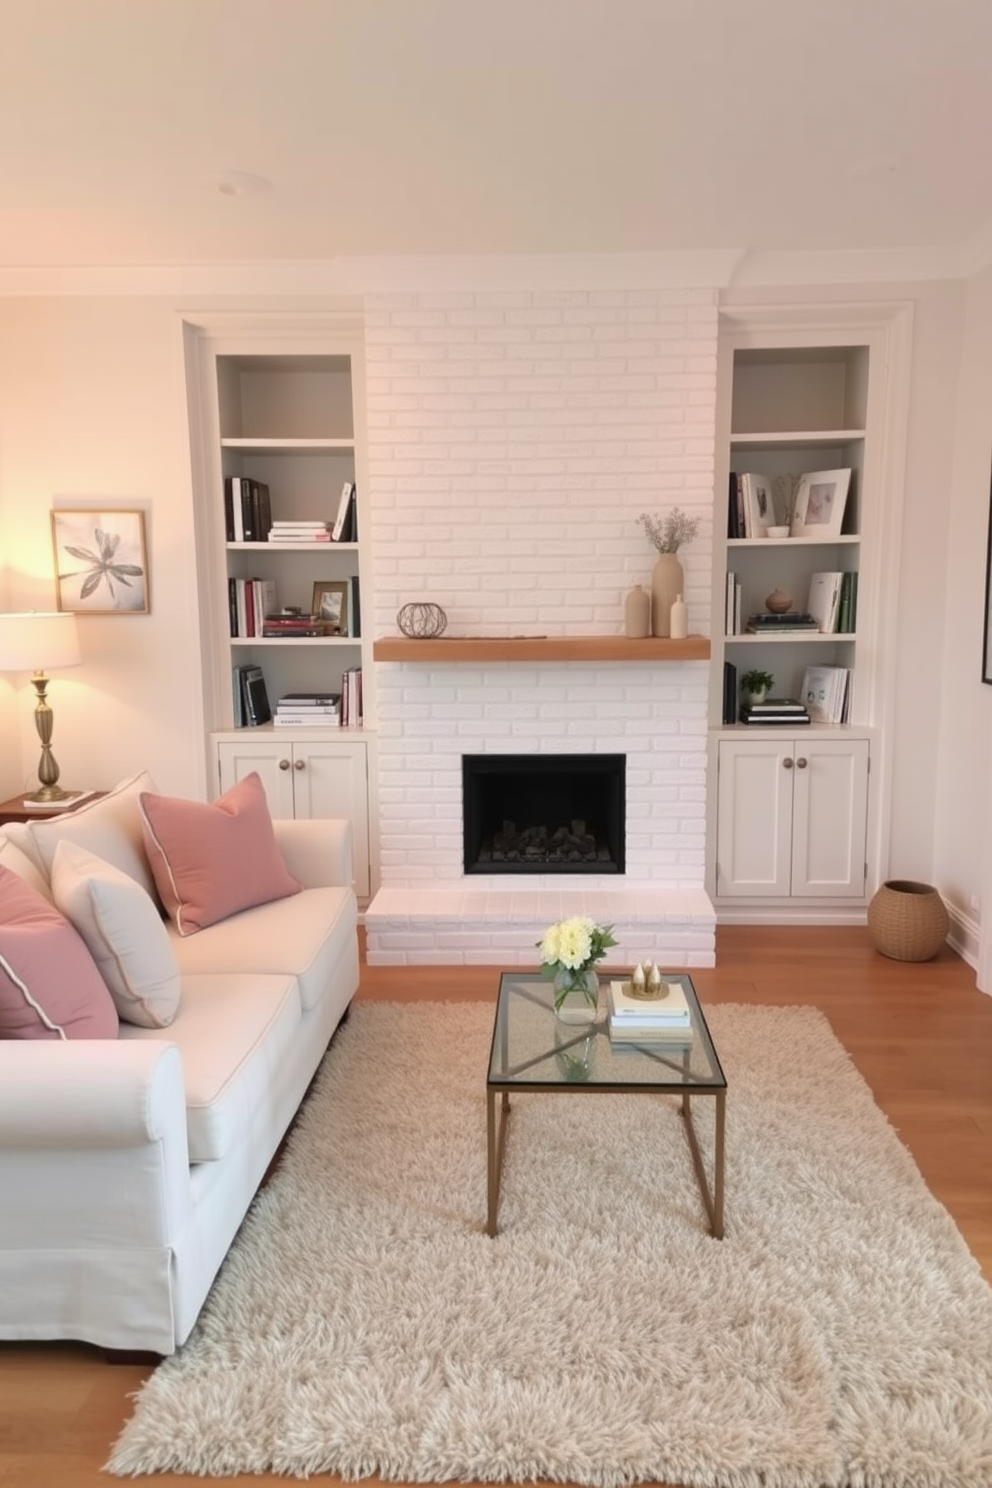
[36,641]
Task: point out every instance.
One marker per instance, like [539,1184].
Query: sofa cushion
[236,1034]
[305,935]
[110,827]
[50,987]
[14,858]
[124,932]
[211,861]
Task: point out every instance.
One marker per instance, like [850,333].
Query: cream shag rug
[364,1324]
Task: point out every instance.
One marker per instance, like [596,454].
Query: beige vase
[667,583]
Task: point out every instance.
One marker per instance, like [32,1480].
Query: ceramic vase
[667,583]
[637,614]
[576,995]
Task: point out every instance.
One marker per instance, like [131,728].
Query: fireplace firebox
[554,813]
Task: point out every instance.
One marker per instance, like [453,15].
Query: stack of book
[776,711]
[648,1015]
[308,710]
[292,627]
[352,707]
[300,532]
[792,621]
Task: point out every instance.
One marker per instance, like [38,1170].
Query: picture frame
[330,605]
[818,509]
[987,638]
[101,561]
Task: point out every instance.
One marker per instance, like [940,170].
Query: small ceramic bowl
[778,532]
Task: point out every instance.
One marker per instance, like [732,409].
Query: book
[792,624]
[729,692]
[824,600]
[315,699]
[70,799]
[306,720]
[254,697]
[344,508]
[824,692]
[778,705]
[624,1034]
[640,1012]
[747,715]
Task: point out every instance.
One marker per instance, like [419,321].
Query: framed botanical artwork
[330,605]
[101,566]
[818,509]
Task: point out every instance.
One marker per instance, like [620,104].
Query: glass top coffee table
[532,1050]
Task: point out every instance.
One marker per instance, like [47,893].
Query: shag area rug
[363,1324]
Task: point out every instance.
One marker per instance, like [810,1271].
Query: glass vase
[576,995]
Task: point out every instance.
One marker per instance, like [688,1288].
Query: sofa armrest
[90,1094]
[317,851]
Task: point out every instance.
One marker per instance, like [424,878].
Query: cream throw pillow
[110,827]
[123,932]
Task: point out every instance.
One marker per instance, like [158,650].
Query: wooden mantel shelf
[539,648]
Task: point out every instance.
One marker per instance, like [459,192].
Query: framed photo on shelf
[330,605]
[101,565]
[821,496]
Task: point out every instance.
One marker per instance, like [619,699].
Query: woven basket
[907,921]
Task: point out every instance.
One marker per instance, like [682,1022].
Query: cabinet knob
[787,764]
[301,765]
[284,764]
[800,764]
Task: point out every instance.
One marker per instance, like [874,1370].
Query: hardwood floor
[921,1035]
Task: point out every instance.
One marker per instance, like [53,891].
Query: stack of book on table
[775,710]
[308,710]
[647,1015]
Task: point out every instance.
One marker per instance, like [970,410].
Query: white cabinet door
[792,817]
[331,779]
[272,758]
[754,817]
[829,817]
[307,778]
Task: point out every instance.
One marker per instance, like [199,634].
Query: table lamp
[38,642]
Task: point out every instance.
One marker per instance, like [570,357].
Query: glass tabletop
[532,1049]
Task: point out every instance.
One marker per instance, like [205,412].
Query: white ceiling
[496,127]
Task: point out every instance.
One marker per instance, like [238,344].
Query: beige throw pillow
[111,827]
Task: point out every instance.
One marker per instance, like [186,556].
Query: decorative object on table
[38,642]
[422,621]
[569,950]
[637,613]
[668,534]
[756,685]
[101,566]
[777,533]
[818,510]
[778,602]
[907,921]
[679,620]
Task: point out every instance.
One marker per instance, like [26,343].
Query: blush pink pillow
[210,862]
[50,987]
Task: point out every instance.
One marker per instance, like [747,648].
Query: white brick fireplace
[513,440]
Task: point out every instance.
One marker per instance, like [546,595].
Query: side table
[15,810]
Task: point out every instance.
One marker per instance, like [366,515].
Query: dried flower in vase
[670,533]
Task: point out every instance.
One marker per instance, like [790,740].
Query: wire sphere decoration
[422,621]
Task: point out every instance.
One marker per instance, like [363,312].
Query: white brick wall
[513,440]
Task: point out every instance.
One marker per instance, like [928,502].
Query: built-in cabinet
[792,814]
[795,819]
[279,401]
[304,777]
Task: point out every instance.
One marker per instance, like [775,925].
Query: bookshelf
[279,401]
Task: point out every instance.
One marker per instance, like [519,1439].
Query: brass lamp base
[48,770]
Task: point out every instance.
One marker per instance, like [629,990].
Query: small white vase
[667,583]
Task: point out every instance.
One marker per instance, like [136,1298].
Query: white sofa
[127,1164]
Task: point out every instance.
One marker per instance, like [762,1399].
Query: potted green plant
[756,685]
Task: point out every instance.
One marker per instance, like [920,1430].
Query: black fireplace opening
[548,813]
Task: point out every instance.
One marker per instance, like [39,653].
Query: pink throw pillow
[210,862]
[50,987]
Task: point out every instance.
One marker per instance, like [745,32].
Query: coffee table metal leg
[712,1198]
[495,1141]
